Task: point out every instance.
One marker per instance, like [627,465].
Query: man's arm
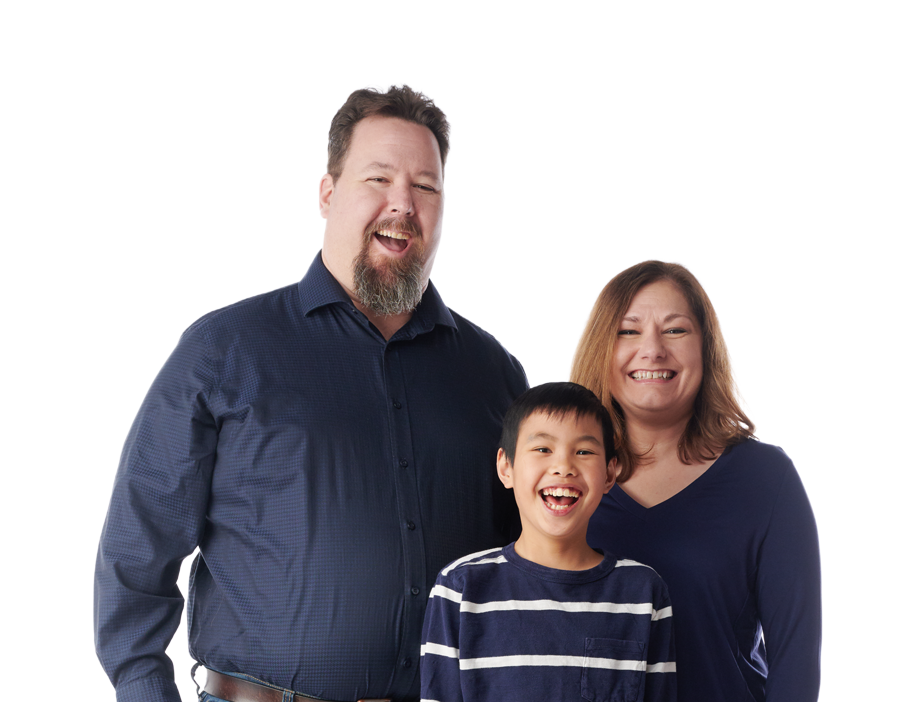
[155,519]
[660,676]
[440,645]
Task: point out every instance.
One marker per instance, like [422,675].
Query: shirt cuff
[148,690]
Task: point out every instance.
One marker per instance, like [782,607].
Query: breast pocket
[613,670]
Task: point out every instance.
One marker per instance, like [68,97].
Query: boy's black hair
[556,400]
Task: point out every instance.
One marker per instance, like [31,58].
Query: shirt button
[397,404]
[403,463]
[407,663]
[414,590]
[411,525]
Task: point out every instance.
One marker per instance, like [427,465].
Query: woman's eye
[677,330]
[628,332]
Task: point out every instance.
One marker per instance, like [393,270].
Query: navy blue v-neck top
[739,552]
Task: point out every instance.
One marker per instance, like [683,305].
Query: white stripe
[663,613]
[498,559]
[464,559]
[661,667]
[549,661]
[424,700]
[625,562]
[537,605]
[446,593]
[439,650]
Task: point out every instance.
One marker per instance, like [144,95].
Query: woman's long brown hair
[717,421]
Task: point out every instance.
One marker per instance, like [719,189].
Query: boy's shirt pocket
[613,670]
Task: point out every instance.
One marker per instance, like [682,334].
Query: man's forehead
[382,141]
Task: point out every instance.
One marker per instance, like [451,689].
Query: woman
[720,516]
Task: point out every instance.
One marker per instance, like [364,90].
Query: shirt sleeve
[790,598]
[660,683]
[440,645]
[155,520]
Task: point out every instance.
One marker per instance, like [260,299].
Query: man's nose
[401,200]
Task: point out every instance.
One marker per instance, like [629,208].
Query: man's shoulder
[256,311]
[492,351]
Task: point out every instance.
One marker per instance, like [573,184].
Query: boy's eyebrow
[544,435]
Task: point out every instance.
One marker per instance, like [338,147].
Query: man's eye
[378,179]
[426,188]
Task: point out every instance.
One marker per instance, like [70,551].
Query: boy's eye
[542,449]
[584,452]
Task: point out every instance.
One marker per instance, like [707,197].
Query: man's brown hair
[717,420]
[402,102]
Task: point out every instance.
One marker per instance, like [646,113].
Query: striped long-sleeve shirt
[499,627]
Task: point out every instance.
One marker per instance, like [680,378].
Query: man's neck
[387,325]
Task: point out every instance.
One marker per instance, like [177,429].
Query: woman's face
[658,361]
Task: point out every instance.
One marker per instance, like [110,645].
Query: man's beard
[393,286]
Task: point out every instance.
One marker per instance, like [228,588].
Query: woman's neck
[653,442]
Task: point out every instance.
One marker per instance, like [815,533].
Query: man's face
[384,214]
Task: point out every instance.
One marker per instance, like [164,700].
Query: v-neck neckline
[636,508]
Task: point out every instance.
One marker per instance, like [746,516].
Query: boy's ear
[504,469]
[612,472]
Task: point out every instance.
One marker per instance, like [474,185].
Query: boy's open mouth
[560,498]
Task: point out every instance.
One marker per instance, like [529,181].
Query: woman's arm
[790,599]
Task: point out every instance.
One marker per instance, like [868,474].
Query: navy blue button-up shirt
[326,474]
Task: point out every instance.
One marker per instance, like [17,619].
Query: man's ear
[504,469]
[326,190]
[612,472]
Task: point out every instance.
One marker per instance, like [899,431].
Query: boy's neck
[561,555]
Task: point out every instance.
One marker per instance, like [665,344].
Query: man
[328,446]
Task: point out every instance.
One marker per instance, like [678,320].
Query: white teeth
[651,375]
[560,492]
[392,235]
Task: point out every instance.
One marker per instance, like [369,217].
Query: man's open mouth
[560,498]
[393,241]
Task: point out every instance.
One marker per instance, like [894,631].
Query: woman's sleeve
[789,589]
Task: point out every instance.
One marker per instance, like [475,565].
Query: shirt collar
[319,288]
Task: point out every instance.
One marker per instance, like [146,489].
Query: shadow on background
[71,414]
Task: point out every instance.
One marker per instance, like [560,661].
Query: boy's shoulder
[474,565]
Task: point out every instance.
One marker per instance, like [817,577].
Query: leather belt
[228,687]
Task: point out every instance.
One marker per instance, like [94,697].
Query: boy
[547,617]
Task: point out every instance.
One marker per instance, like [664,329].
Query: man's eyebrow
[380,166]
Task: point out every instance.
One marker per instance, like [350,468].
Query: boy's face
[560,475]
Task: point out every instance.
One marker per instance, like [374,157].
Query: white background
[159,160]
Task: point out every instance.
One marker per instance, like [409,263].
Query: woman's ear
[504,468]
